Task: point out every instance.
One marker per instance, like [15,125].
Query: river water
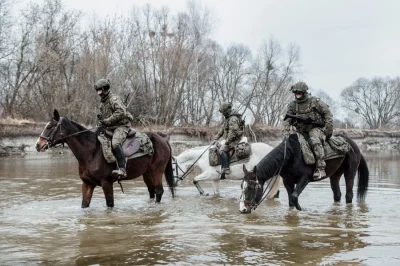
[42,223]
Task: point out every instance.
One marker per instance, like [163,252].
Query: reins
[265,193]
[185,174]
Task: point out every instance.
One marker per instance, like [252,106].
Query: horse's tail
[363,179]
[169,173]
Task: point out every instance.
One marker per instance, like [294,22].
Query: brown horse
[94,170]
[287,160]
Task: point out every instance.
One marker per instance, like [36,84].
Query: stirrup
[120,173]
[319,174]
[225,171]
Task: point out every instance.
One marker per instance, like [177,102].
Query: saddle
[335,147]
[240,154]
[135,145]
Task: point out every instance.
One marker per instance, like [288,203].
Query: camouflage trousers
[231,145]
[119,136]
[317,138]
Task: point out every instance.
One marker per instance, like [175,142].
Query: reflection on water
[42,222]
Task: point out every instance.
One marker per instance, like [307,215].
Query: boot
[119,155]
[319,157]
[224,165]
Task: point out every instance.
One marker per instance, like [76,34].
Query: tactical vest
[240,130]
[307,109]
[106,109]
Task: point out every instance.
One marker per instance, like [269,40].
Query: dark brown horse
[287,161]
[94,170]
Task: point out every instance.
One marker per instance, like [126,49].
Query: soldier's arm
[327,116]
[119,110]
[288,122]
[233,124]
[220,133]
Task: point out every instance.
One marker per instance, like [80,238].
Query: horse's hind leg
[350,172]
[154,185]
[150,187]
[159,192]
[87,193]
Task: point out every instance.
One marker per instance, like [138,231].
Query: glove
[99,130]
[328,135]
[104,122]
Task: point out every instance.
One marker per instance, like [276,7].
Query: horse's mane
[79,126]
[272,162]
[186,155]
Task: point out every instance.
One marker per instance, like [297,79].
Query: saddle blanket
[137,146]
[241,153]
[335,147]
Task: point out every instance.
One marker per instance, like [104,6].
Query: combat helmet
[102,84]
[299,87]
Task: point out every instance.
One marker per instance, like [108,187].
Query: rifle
[307,121]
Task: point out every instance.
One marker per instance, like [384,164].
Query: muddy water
[41,222]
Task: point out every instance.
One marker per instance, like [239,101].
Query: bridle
[51,142]
[177,168]
[251,185]
[257,186]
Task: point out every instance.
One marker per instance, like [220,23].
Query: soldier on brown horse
[94,170]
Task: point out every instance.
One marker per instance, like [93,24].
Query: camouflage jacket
[231,130]
[114,112]
[312,108]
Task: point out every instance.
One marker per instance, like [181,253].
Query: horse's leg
[87,193]
[215,184]
[159,192]
[335,178]
[350,171]
[289,190]
[204,176]
[108,193]
[154,185]
[150,187]
[349,179]
[304,180]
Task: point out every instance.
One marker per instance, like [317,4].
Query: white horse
[199,156]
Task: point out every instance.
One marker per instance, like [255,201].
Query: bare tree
[376,101]
[273,72]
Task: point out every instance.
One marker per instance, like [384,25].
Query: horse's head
[251,191]
[52,133]
[177,170]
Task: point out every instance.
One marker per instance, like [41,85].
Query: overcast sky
[340,41]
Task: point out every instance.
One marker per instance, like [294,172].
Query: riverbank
[17,137]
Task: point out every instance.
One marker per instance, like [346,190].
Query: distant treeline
[165,66]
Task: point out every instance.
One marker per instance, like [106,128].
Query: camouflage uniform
[116,118]
[311,107]
[232,133]
[113,116]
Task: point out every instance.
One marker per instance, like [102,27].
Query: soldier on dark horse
[311,117]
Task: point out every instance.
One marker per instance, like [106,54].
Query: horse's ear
[255,170]
[56,115]
[245,170]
